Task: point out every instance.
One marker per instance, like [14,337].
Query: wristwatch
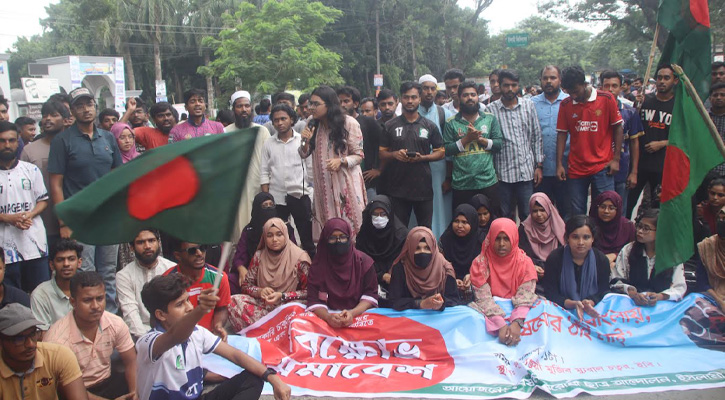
[267,373]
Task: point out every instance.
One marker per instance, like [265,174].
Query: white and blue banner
[449,354]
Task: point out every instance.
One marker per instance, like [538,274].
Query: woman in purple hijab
[341,277]
[614,230]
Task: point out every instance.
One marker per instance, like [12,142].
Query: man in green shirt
[471,137]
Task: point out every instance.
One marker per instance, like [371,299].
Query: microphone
[311,125]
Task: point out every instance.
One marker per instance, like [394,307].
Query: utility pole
[377,35]
[412,49]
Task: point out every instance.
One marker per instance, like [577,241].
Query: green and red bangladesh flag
[190,189]
[691,152]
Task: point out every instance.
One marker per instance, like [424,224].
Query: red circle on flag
[170,185]
[677,171]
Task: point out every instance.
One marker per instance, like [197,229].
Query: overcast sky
[21,18]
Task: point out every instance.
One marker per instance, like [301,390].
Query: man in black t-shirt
[656,115]
[407,146]
[350,101]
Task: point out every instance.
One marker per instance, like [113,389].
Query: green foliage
[275,47]
[549,43]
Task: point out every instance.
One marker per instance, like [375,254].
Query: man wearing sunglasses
[30,369]
[192,264]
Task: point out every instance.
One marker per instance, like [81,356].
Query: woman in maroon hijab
[341,277]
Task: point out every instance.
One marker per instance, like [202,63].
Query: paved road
[705,394]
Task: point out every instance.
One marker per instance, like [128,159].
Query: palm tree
[151,17]
[206,19]
[114,33]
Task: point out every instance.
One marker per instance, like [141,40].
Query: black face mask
[422,260]
[720,226]
[339,249]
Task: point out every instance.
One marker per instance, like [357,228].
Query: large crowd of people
[411,199]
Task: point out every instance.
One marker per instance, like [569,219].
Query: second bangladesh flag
[189,189]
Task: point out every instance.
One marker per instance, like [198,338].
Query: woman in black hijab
[461,243]
[381,236]
[486,214]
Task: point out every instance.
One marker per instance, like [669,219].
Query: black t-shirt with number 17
[410,181]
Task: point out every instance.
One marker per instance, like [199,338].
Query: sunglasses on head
[192,250]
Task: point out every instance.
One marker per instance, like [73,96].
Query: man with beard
[79,156]
[547,109]
[130,280]
[405,148]
[437,115]
[656,115]
[4,109]
[198,124]
[136,113]
[94,334]
[387,104]
[54,114]
[298,124]
[165,119]
[369,107]
[471,138]
[520,162]
[64,99]
[371,130]
[200,275]
[22,198]
[241,103]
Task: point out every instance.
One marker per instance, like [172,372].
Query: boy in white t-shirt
[169,356]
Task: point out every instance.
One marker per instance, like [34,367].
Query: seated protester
[341,277]
[50,301]
[503,270]
[24,362]
[10,294]
[381,237]
[486,214]
[614,230]
[708,210]
[634,272]
[200,275]
[576,276]
[170,356]
[542,232]
[277,275]
[460,244]
[263,208]
[94,334]
[421,277]
[130,280]
[711,271]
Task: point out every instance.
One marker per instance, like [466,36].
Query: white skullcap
[428,78]
[240,94]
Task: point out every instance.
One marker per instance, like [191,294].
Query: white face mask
[380,222]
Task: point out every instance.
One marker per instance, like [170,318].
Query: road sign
[517,40]
[378,80]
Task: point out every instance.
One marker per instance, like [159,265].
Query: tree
[275,47]
[152,17]
[114,32]
[549,43]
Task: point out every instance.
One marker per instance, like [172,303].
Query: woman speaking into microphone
[336,144]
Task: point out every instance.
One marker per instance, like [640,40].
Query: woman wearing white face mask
[381,237]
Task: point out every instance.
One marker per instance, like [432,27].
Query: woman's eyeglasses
[644,228]
[338,239]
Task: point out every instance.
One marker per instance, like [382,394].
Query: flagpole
[651,58]
[701,109]
[226,251]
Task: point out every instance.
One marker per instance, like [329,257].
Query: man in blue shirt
[79,156]
[611,81]
[547,109]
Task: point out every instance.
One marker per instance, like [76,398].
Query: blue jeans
[579,189]
[622,191]
[26,275]
[103,259]
[558,193]
[511,194]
